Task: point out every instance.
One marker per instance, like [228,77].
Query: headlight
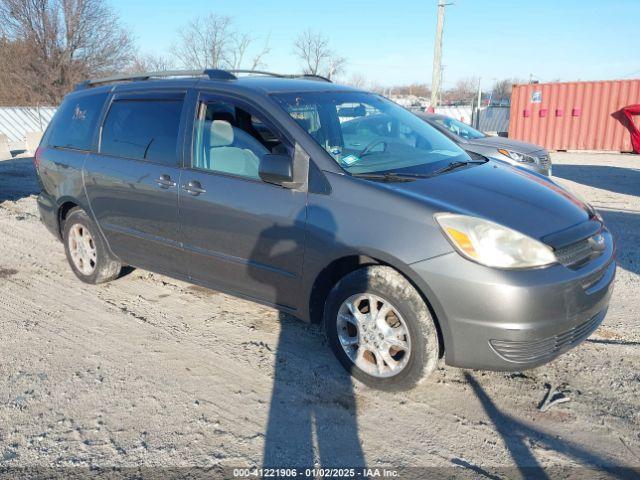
[493,245]
[518,157]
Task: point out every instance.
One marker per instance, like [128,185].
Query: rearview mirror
[352,112]
[276,168]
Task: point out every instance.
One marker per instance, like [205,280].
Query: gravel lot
[150,371]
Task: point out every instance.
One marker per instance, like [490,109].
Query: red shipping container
[596,121]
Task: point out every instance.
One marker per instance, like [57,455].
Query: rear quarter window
[75,122]
[143,130]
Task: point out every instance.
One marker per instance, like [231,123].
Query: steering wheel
[370,147]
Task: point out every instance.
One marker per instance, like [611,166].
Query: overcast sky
[391,42]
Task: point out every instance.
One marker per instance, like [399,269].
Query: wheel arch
[339,267]
[65,205]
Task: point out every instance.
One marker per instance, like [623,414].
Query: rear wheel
[380,329]
[86,252]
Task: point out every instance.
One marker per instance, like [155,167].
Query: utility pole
[477,122]
[437,56]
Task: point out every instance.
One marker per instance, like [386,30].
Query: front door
[132,183]
[240,234]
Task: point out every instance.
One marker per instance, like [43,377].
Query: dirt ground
[149,371]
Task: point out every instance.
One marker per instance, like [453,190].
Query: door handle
[164,181]
[194,188]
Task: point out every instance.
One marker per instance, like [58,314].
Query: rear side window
[143,129]
[76,121]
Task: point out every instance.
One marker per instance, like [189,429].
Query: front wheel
[380,329]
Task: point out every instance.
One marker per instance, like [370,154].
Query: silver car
[521,154]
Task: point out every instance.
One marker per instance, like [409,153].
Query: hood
[507,143]
[526,202]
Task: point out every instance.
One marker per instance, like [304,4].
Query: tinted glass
[143,129]
[458,128]
[75,122]
[230,140]
[367,133]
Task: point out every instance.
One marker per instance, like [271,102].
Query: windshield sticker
[349,160]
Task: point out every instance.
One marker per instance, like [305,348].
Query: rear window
[75,122]
[143,129]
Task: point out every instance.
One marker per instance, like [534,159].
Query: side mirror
[275,168]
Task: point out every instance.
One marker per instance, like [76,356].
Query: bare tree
[14,85]
[335,66]
[377,88]
[213,42]
[204,41]
[357,80]
[417,89]
[464,92]
[241,44]
[501,92]
[317,57]
[258,59]
[66,41]
[151,63]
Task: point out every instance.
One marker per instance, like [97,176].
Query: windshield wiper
[391,176]
[454,166]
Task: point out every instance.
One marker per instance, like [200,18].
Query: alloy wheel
[374,335]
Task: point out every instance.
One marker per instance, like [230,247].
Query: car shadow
[518,438]
[313,413]
[615,179]
[625,228]
[17,179]
[624,224]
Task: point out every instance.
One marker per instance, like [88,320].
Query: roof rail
[213,74]
[282,75]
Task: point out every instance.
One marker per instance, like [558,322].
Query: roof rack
[213,74]
[309,76]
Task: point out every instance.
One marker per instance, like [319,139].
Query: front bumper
[515,319]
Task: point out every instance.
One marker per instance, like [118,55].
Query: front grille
[576,253]
[547,348]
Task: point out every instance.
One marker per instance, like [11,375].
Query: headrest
[221,133]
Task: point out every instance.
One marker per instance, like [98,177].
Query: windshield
[458,128]
[366,133]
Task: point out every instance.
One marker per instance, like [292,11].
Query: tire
[383,286]
[79,231]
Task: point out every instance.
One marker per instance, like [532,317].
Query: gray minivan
[407,249]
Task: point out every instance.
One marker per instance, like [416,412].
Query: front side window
[366,133]
[75,122]
[230,140]
[458,128]
[143,129]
